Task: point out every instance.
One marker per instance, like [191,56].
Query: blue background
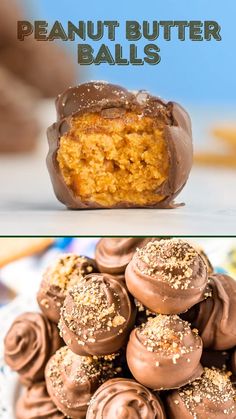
[200,72]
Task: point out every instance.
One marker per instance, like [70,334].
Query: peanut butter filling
[109,161]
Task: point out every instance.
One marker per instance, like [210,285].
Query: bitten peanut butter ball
[35,403]
[68,270]
[97,316]
[28,345]
[72,379]
[164,353]
[121,398]
[167,276]
[112,148]
[215,317]
[210,397]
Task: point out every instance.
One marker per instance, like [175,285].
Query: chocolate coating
[113,254]
[103,97]
[29,343]
[164,353]
[167,276]
[68,270]
[35,403]
[124,399]
[210,397]
[215,317]
[71,380]
[97,316]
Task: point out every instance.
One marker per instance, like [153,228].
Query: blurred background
[199,75]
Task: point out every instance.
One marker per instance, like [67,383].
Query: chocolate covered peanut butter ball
[97,316]
[28,345]
[125,399]
[212,397]
[68,270]
[72,379]
[113,254]
[167,276]
[35,403]
[113,148]
[215,317]
[164,353]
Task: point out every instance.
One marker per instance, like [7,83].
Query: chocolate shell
[97,316]
[68,270]
[124,399]
[215,317]
[35,403]
[211,397]
[71,380]
[167,276]
[28,345]
[113,254]
[164,353]
[112,101]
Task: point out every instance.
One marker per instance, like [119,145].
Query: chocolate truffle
[121,398]
[19,126]
[167,276]
[29,343]
[113,148]
[215,316]
[113,255]
[97,316]
[211,397]
[35,403]
[72,379]
[164,353]
[68,270]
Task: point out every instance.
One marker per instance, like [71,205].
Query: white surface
[29,207]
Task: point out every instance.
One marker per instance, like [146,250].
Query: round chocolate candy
[104,135]
[212,397]
[68,270]
[167,276]
[28,345]
[35,403]
[215,316]
[97,316]
[72,379]
[125,399]
[113,255]
[164,353]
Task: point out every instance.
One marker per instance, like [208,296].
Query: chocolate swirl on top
[212,396]
[68,270]
[121,398]
[35,403]
[97,316]
[113,255]
[72,379]
[167,276]
[215,316]
[29,343]
[111,101]
[164,353]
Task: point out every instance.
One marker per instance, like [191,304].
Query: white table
[29,207]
